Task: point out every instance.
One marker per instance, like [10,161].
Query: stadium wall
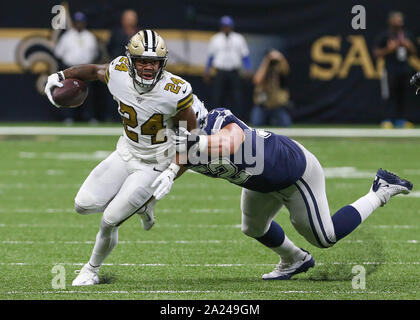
[334,76]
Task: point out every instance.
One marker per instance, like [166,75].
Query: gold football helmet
[146,44]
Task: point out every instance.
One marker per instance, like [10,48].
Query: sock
[366,205]
[348,218]
[276,240]
[106,240]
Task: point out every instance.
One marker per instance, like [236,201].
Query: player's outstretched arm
[225,142]
[85,72]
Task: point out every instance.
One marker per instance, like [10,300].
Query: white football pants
[119,187]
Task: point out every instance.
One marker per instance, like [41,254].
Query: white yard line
[168,225]
[81,226]
[292,132]
[12,242]
[364,292]
[210,265]
[89,242]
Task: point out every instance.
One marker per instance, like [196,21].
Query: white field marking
[347,173]
[415,194]
[50,172]
[26,210]
[70,242]
[167,225]
[77,185]
[211,265]
[203,198]
[124,242]
[32,186]
[391,226]
[297,132]
[166,210]
[61,131]
[415,172]
[385,240]
[364,292]
[97,155]
[81,226]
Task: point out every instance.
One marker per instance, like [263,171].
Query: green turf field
[196,250]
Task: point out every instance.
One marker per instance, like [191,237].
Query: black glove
[415,81]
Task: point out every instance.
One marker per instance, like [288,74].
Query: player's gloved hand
[165,181]
[52,82]
[185,140]
[415,81]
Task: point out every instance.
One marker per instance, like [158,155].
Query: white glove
[165,181]
[52,82]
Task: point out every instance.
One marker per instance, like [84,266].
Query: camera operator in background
[395,45]
[271,96]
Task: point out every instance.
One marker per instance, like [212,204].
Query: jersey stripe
[107,75]
[185,102]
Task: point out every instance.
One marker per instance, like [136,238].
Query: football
[72,94]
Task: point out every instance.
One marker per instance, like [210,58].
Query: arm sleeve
[246,62]
[209,64]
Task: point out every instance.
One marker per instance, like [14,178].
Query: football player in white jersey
[150,101]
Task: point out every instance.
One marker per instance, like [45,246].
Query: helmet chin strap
[141,89]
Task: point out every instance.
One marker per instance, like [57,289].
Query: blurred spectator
[228,51]
[77,46]
[395,45]
[271,96]
[120,36]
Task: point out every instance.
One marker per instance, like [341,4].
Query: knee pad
[107,226]
[84,204]
[253,229]
[139,197]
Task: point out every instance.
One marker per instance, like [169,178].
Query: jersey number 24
[151,127]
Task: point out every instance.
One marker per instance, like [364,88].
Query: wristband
[174,168]
[61,76]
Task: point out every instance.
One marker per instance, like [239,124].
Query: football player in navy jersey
[274,170]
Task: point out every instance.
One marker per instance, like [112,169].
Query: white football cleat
[88,276]
[147,217]
[285,270]
[388,184]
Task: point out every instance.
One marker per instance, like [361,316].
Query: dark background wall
[348,94]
